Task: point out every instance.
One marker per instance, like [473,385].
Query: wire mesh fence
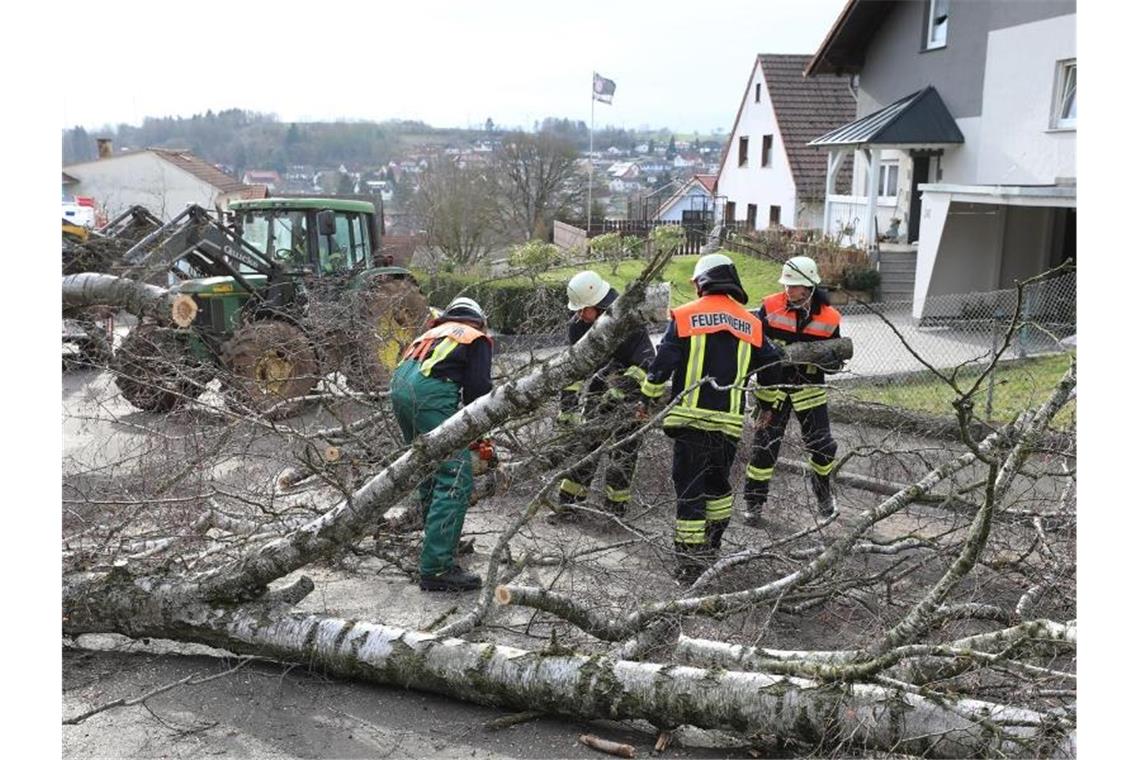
[904,356]
[901,359]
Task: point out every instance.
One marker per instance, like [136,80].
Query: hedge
[513,306]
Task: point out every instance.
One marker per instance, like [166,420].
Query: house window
[742,153]
[1065,96]
[773,216]
[888,180]
[751,216]
[937,23]
[730,211]
[757,92]
[766,151]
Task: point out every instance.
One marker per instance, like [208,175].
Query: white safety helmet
[465,309]
[710,261]
[800,270]
[585,289]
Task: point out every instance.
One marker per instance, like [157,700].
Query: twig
[189,680]
[605,745]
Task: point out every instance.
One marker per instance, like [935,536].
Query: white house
[976,104]
[164,181]
[693,201]
[768,176]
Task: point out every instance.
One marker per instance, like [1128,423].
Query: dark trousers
[702,461]
[816,430]
[604,420]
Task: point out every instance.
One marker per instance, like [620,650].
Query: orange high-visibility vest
[456,331]
[717,313]
[780,317]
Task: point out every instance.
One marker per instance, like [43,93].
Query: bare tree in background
[538,177]
[457,208]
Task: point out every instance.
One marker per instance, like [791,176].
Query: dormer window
[937,23]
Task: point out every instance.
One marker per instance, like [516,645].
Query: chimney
[104,144]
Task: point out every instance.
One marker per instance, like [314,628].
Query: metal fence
[899,357]
[957,336]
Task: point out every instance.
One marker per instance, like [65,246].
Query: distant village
[630,184]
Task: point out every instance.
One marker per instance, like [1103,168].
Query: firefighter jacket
[621,376]
[713,337]
[456,352]
[784,324]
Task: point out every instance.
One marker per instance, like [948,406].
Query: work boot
[824,498]
[692,560]
[753,509]
[567,509]
[616,508]
[454,578]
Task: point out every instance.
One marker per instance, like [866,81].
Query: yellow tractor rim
[272,372]
[392,336]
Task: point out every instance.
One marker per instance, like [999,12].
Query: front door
[919,175]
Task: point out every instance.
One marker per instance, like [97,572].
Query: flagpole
[590,183]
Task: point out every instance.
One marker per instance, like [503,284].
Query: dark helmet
[464,309]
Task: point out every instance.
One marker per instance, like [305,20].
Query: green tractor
[286,292]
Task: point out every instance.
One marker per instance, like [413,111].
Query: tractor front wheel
[155,370]
[390,314]
[272,366]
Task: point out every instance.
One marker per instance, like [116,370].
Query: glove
[484,450]
[829,361]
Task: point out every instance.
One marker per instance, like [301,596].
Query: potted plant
[858,283]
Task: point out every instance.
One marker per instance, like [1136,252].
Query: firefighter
[448,365]
[713,337]
[801,312]
[612,393]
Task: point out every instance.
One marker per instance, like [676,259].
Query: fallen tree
[868,695]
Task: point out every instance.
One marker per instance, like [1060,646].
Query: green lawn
[1017,386]
[759,277]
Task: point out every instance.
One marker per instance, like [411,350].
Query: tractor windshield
[280,236]
[348,247]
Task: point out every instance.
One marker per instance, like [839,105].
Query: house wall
[896,65]
[141,178]
[765,186]
[1016,144]
[1028,243]
[684,203]
[969,257]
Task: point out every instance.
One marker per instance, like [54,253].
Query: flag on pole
[603,88]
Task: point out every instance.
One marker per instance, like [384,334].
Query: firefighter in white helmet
[801,312]
[714,338]
[611,395]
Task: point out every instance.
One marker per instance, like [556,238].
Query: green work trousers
[421,405]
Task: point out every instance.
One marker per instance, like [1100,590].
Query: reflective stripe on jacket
[470,366]
[785,324]
[713,337]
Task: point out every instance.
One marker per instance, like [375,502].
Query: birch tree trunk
[834,715]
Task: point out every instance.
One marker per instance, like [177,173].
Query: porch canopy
[918,122]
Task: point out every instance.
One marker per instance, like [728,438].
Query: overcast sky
[682,65]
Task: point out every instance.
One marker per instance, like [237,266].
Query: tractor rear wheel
[155,370]
[272,365]
[391,314]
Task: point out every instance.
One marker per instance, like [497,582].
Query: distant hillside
[245,140]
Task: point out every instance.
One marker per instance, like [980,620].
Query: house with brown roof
[768,176]
[164,181]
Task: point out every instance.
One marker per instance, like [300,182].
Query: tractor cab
[316,236]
